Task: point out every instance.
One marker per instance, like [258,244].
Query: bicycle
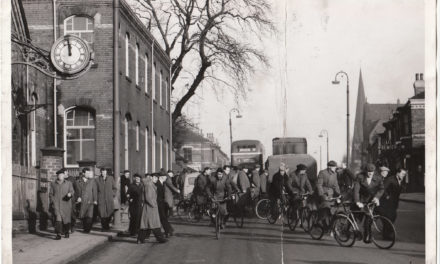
[278,208]
[215,213]
[347,231]
[184,209]
[316,229]
[298,211]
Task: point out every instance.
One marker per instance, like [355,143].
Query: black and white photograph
[219,131]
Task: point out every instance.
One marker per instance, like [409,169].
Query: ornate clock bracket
[38,58]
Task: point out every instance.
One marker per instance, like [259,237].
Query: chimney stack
[419,84]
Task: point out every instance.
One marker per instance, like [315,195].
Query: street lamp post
[230,127]
[321,135]
[336,81]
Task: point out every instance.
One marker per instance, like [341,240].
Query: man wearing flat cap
[368,187]
[384,171]
[298,182]
[327,187]
[61,193]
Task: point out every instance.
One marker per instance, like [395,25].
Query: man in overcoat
[61,193]
[162,205]
[150,220]
[106,193]
[74,214]
[87,198]
[134,197]
[389,202]
[263,182]
[219,188]
[256,182]
[200,186]
[298,182]
[327,188]
[170,188]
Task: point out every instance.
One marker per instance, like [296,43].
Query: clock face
[70,54]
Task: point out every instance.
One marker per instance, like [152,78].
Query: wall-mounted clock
[70,54]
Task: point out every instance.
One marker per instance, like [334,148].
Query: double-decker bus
[247,153]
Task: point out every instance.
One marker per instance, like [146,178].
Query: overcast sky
[383,38]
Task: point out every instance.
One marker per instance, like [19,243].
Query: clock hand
[69,46]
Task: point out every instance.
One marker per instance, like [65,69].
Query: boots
[58,227]
[159,236]
[66,228]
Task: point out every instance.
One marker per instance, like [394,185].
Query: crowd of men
[149,199]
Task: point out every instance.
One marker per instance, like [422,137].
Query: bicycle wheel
[182,209]
[383,233]
[292,218]
[316,230]
[305,219]
[343,231]
[262,208]
[195,213]
[274,213]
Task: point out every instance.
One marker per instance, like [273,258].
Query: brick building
[84,110]
[402,142]
[368,123]
[198,152]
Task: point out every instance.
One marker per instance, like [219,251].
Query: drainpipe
[116,111]
[153,139]
[55,130]
[170,148]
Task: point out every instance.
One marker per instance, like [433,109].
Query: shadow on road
[328,262]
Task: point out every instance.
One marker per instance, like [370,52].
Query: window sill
[138,87]
[128,79]
[147,95]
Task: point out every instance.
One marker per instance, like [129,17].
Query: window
[167,146]
[79,26]
[79,136]
[187,154]
[213,155]
[126,136]
[137,136]
[160,88]
[166,93]
[137,65]
[127,55]
[161,152]
[146,149]
[153,154]
[146,73]
[153,82]
[33,133]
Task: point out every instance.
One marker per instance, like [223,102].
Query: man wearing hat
[106,193]
[134,197]
[327,187]
[384,171]
[255,182]
[368,188]
[298,182]
[161,204]
[87,198]
[61,193]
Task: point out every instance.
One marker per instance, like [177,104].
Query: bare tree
[210,33]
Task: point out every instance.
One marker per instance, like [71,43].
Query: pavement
[413,197]
[260,242]
[42,248]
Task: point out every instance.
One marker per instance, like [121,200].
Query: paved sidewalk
[42,248]
[413,197]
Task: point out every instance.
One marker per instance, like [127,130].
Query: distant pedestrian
[73,180]
[106,193]
[124,183]
[87,198]
[389,203]
[255,182]
[170,189]
[150,221]
[200,186]
[134,196]
[384,172]
[162,204]
[61,193]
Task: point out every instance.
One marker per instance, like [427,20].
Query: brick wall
[94,90]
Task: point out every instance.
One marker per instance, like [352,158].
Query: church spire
[358,133]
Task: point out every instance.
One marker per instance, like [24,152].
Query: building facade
[198,152]
[402,143]
[84,110]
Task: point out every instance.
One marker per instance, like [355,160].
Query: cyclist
[277,188]
[368,188]
[327,187]
[218,189]
[298,182]
[346,180]
[255,185]
[243,187]
[200,187]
